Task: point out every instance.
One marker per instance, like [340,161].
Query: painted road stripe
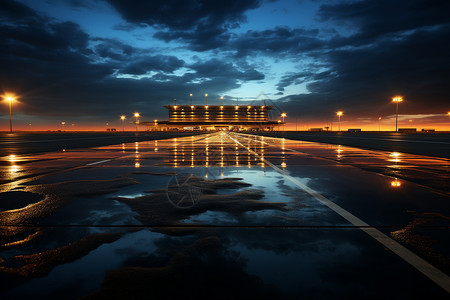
[97,162]
[436,275]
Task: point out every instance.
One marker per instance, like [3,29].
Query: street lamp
[339,114]
[190,95]
[137,115]
[379,123]
[221,98]
[10,99]
[397,100]
[206,99]
[122,117]
[283,115]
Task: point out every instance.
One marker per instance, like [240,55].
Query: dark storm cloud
[281,40]
[39,48]
[217,68]
[12,11]
[203,25]
[113,49]
[199,40]
[372,19]
[20,25]
[185,14]
[302,77]
[153,63]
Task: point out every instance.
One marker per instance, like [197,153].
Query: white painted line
[433,273]
[97,162]
[285,148]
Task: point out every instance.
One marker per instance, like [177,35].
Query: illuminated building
[215,117]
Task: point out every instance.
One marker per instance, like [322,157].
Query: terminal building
[215,117]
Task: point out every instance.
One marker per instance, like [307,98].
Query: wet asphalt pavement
[435,143]
[38,142]
[224,215]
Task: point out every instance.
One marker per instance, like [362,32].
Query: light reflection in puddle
[131,196]
[275,189]
[395,183]
[95,265]
[14,169]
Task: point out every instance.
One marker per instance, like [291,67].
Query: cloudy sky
[86,62]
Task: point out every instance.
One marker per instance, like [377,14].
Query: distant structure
[215,117]
[407,130]
[316,129]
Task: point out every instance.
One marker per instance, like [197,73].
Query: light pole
[397,100]
[63,123]
[10,99]
[221,98]
[190,95]
[339,114]
[122,117]
[283,115]
[206,99]
[137,115]
[379,123]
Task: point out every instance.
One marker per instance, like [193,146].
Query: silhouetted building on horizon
[216,117]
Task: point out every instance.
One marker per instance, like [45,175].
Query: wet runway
[224,215]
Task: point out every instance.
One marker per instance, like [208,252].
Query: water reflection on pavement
[217,216]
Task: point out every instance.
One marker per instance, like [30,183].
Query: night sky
[87,62]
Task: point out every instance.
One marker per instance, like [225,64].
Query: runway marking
[436,275]
[97,162]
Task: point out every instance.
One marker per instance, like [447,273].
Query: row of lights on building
[221,107]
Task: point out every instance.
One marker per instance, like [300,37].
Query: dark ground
[431,144]
[36,142]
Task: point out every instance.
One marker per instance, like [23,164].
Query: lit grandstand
[215,117]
